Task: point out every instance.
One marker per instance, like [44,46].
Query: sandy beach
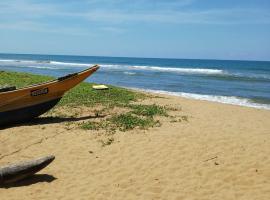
[134,100]
[212,151]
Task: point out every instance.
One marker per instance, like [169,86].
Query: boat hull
[26,113]
[29,102]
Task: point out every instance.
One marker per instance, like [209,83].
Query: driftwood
[19,171]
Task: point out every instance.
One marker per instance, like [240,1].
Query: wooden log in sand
[18,171]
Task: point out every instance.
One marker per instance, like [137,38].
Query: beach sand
[220,152]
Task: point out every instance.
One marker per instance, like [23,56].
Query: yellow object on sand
[100,87]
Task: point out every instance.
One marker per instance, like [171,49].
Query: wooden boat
[22,170]
[19,105]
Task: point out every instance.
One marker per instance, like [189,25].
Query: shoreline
[232,82]
[229,100]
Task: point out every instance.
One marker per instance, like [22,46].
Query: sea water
[245,83]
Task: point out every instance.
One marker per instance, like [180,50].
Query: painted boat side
[41,92]
[26,103]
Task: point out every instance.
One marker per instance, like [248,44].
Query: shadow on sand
[51,120]
[36,178]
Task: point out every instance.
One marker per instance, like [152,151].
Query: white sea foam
[55,65]
[42,67]
[69,64]
[40,62]
[182,70]
[168,69]
[17,62]
[221,99]
[130,73]
[48,64]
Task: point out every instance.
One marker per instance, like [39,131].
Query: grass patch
[122,122]
[148,110]
[83,94]
[90,126]
[21,79]
[136,116]
[128,121]
[101,125]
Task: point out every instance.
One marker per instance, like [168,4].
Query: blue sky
[210,29]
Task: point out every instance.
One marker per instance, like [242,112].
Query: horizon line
[136,57]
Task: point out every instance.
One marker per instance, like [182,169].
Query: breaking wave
[167,69]
[130,73]
[243,78]
[58,65]
[214,98]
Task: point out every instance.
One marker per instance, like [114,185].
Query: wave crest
[56,65]
[214,98]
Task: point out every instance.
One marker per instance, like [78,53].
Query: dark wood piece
[19,171]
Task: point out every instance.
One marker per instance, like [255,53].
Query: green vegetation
[148,110]
[83,94]
[20,79]
[128,115]
[127,121]
[123,122]
[90,126]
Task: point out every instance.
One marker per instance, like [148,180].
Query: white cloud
[44,28]
[111,29]
[25,8]
[39,16]
[221,16]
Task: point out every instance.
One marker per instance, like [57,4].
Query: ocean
[244,83]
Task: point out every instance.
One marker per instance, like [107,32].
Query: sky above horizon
[206,29]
